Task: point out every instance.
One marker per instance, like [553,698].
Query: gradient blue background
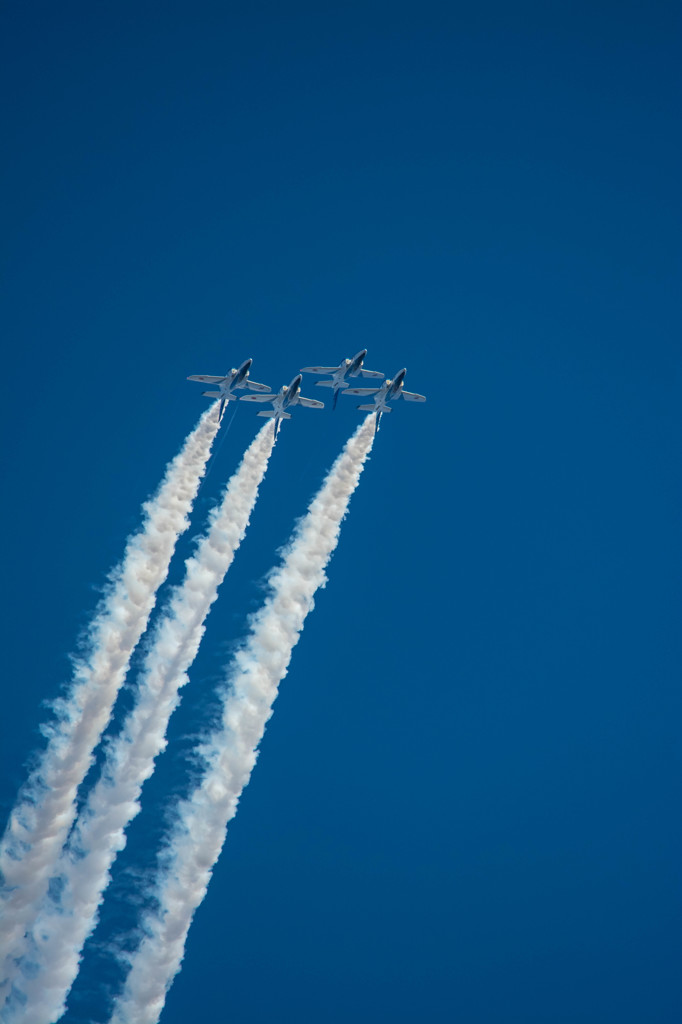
[467,803]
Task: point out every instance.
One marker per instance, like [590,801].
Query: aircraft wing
[411,397]
[257,398]
[206,380]
[372,373]
[319,369]
[310,403]
[257,387]
[361,391]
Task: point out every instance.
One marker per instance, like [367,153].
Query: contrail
[253,677]
[84,869]
[46,805]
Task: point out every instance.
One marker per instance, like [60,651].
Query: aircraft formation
[289,395]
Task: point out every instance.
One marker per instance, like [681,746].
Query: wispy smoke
[46,806]
[253,678]
[61,930]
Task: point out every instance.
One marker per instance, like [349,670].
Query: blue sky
[467,802]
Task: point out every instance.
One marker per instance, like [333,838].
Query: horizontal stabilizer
[206,380]
[256,398]
[319,369]
[409,396]
[324,383]
[211,394]
[371,408]
[269,415]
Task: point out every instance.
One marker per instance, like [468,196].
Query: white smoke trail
[60,931]
[231,751]
[46,805]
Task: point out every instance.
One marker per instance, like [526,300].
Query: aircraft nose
[362,353]
[247,364]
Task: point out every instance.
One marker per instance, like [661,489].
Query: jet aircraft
[287,396]
[389,390]
[234,379]
[346,368]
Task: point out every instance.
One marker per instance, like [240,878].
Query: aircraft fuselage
[240,375]
[354,365]
[289,393]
